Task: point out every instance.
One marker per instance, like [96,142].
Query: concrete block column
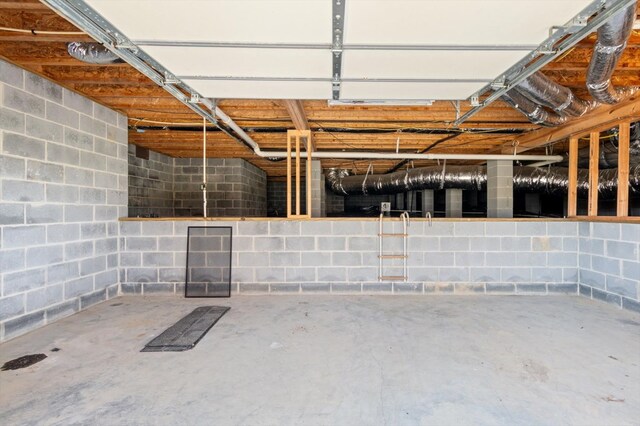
[500,188]
[427,201]
[318,208]
[453,199]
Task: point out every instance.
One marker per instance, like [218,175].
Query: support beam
[594,160]
[572,200]
[297,114]
[599,119]
[623,168]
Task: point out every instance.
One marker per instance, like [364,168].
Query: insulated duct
[92,53]
[612,40]
[526,179]
[534,112]
[546,92]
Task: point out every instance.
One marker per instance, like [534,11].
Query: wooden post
[288,175]
[572,202]
[299,136]
[594,160]
[624,134]
[297,175]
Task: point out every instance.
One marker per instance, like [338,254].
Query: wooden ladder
[382,256]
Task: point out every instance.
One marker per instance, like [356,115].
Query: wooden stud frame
[296,138]
[624,131]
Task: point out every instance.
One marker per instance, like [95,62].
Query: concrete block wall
[150,185]
[341,257]
[235,187]
[63,185]
[277,198]
[609,263]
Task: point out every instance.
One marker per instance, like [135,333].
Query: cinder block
[347,228]
[473,258]
[158,288]
[142,275]
[11,167]
[157,259]
[105,114]
[631,270]
[44,213]
[44,297]
[622,250]
[44,255]
[439,259]
[23,324]
[531,229]
[623,287]
[562,288]
[62,272]
[23,101]
[11,306]
[603,296]
[363,243]
[284,288]
[62,115]
[515,244]
[93,265]
[447,275]
[607,231]
[257,228]
[438,288]
[631,305]
[63,154]
[300,275]
[141,243]
[605,265]
[546,275]
[464,288]
[268,243]
[251,288]
[12,260]
[346,259]
[93,161]
[300,243]
[253,259]
[23,236]
[346,288]
[485,275]
[131,288]
[363,274]
[479,244]
[570,275]
[77,213]
[284,228]
[269,275]
[95,127]
[42,87]
[562,228]
[44,172]
[455,244]
[23,146]
[11,74]
[500,288]
[17,282]
[78,139]
[11,120]
[531,259]
[385,287]
[76,176]
[331,243]
[546,244]
[423,273]
[531,288]
[517,275]
[93,298]
[43,129]
[93,230]
[562,259]
[12,214]
[469,229]
[105,279]
[498,259]
[106,147]
[315,228]
[445,229]
[315,287]
[61,193]
[630,232]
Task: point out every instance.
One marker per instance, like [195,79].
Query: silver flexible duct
[546,92]
[612,40]
[92,53]
[534,112]
[529,179]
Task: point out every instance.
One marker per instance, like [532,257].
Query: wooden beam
[297,114]
[623,168]
[601,118]
[594,160]
[572,202]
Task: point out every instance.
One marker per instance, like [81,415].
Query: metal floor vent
[187,332]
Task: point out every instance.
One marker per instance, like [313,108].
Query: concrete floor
[319,360]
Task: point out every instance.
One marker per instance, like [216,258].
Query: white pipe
[381,155]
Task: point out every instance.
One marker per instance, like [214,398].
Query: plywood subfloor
[319,360]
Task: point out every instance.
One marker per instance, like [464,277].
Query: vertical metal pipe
[380,236]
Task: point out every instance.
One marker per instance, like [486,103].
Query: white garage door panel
[262,89]
[407,91]
[222,61]
[247,21]
[455,21]
[427,64]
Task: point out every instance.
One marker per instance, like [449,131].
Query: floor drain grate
[22,362]
[184,334]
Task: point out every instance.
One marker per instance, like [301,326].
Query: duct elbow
[92,53]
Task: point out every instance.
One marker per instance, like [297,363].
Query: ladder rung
[393,235]
[392,256]
[393,278]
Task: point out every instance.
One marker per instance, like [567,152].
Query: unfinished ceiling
[363,127]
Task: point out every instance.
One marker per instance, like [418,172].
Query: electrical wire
[36,32]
